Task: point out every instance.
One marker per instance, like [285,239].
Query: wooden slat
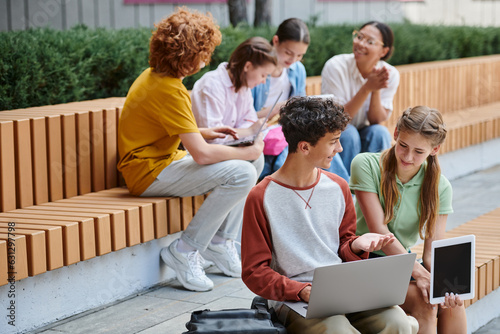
[97,141]
[40,172]
[7,167]
[489,276]
[174,215]
[36,249]
[482,282]
[17,256]
[111,147]
[24,167]
[54,157]
[476,288]
[84,153]
[70,155]
[3,263]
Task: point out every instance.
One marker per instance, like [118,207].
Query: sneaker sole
[219,265]
[170,261]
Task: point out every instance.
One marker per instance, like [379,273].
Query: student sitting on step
[401,191]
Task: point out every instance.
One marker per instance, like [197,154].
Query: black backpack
[257,319]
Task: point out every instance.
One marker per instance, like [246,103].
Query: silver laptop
[357,286]
[248,140]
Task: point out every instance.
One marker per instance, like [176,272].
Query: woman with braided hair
[402,191]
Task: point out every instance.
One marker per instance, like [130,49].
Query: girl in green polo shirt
[402,191]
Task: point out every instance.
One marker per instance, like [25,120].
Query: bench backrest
[448,85]
[54,152]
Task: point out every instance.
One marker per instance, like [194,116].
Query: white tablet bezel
[450,242]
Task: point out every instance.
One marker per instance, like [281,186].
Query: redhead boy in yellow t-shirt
[156,119]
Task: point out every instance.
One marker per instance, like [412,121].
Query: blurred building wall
[63,14]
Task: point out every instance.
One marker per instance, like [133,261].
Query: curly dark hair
[309,119]
[182,41]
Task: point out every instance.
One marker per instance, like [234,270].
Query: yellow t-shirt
[156,111]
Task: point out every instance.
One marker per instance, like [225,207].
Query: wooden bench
[487,232]
[61,197]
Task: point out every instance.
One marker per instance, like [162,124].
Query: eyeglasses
[358,36]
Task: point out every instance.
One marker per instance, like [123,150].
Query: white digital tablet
[452,268]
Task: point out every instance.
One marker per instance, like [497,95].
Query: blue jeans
[372,138]
[272,163]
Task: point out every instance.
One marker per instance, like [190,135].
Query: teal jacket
[297,77]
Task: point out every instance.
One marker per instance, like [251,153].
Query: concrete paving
[167,307]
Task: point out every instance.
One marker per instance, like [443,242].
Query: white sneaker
[188,268]
[225,256]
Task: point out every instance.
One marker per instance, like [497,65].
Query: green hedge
[44,66]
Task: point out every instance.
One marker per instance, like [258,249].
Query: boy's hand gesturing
[371,242]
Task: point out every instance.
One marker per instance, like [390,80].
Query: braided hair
[429,123]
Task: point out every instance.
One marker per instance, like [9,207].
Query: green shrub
[45,66]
